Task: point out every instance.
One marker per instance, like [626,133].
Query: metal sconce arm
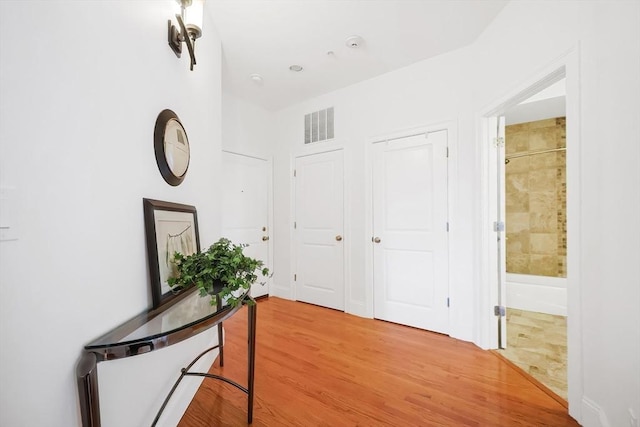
[186,35]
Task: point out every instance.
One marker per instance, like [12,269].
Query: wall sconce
[190,22]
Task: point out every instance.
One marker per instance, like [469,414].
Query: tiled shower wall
[536,192]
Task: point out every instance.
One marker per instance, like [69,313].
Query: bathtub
[537,293]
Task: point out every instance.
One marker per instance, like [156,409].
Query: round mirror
[171,147]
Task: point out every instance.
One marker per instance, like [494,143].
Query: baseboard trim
[357,308]
[532,380]
[592,415]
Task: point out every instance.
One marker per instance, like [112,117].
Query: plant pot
[216,288]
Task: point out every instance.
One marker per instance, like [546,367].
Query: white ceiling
[267,36]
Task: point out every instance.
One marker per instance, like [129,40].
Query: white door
[410,241]
[497,134]
[318,229]
[245,208]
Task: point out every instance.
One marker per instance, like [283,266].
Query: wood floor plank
[321,367]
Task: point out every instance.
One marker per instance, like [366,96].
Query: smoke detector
[296,68]
[354,42]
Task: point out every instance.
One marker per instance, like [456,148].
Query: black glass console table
[182,318]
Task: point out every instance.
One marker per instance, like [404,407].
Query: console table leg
[220,341]
[252,358]
[87,377]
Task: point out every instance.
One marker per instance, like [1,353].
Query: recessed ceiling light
[256,78]
[296,68]
[354,42]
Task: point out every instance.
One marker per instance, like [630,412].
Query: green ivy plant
[218,272]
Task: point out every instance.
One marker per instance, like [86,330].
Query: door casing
[566,66]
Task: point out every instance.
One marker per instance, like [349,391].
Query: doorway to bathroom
[534,193]
[492,298]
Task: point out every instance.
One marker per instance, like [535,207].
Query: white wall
[246,128]
[81,86]
[427,93]
[525,38]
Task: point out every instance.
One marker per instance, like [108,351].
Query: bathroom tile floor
[537,343]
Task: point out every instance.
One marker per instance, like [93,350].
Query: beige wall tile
[516,142]
[517,263]
[542,139]
[517,222]
[536,198]
[517,192]
[544,244]
[543,222]
[516,128]
[518,243]
[543,265]
[543,161]
[517,165]
[543,179]
[547,123]
[541,201]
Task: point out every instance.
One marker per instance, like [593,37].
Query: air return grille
[318,126]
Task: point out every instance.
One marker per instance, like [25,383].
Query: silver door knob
[375,239]
[265,238]
[338,238]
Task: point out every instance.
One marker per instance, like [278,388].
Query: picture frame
[169,228]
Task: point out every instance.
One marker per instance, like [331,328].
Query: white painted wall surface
[524,39]
[246,128]
[81,85]
[604,349]
[427,93]
[49,86]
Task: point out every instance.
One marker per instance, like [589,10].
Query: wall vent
[318,126]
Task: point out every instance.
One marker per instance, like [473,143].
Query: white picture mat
[175,232]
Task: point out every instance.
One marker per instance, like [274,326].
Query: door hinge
[498,226]
[447,301]
[498,142]
[294,173]
[295,277]
[499,310]
[295,225]
[447,152]
[447,226]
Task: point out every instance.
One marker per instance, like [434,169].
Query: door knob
[265,238]
[338,237]
[375,239]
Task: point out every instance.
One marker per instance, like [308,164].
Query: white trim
[450,126]
[327,146]
[593,415]
[541,294]
[567,65]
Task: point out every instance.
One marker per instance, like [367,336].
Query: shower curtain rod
[531,153]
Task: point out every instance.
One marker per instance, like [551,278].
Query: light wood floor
[320,367]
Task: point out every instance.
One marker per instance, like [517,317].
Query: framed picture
[170,228]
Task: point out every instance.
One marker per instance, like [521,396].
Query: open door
[497,135]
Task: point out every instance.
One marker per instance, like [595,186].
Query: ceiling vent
[318,126]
